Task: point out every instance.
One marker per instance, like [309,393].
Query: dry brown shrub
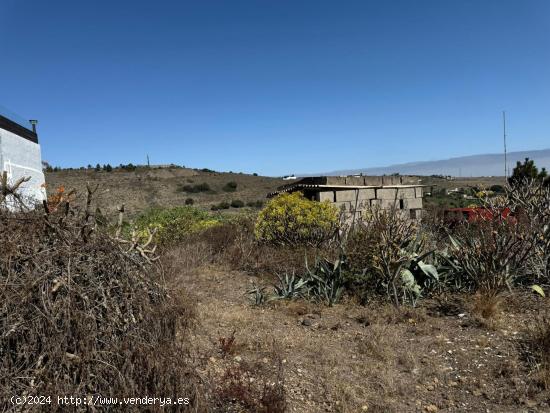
[487,304]
[220,237]
[258,259]
[226,345]
[252,388]
[186,257]
[81,314]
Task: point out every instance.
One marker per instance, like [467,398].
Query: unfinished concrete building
[354,195]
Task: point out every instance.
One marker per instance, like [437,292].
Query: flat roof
[17,129]
[297,186]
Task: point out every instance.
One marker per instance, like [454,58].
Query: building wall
[355,202]
[22,158]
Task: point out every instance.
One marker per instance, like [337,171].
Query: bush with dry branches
[82,314]
[386,252]
[498,250]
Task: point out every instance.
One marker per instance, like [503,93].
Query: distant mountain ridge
[465,166]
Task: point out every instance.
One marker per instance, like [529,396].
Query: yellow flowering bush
[291,219]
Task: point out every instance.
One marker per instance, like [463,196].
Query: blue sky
[277,87]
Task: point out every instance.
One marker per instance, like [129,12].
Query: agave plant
[417,275]
[258,295]
[326,280]
[290,286]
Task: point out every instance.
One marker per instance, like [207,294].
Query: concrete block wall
[407,200]
[354,195]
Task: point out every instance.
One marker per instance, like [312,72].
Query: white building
[20,156]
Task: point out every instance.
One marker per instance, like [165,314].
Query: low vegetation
[173,225]
[231,186]
[193,189]
[317,316]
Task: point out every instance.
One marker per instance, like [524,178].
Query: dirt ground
[438,357]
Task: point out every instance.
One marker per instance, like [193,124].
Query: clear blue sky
[277,87]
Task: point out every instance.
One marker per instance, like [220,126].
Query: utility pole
[504,130]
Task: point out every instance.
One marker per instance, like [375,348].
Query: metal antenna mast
[504,130]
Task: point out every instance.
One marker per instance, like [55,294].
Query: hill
[144,188]
[465,166]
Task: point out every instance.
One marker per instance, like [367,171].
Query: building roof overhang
[320,188]
[17,129]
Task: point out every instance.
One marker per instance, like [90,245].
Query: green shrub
[130,167]
[189,201]
[174,224]
[237,203]
[291,219]
[194,189]
[255,204]
[221,205]
[231,186]
[527,171]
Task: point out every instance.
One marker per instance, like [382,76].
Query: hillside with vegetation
[142,188]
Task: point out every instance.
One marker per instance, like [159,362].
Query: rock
[307,322]
[237,358]
[431,408]
[530,403]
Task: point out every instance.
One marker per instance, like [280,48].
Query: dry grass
[539,351]
[377,343]
[351,357]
